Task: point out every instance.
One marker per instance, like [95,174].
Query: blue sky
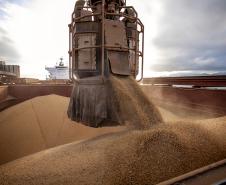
[182,37]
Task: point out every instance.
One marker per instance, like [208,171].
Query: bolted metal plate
[115,34]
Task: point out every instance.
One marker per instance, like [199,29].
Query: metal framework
[139,52]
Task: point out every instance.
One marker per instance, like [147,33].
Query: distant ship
[58,72]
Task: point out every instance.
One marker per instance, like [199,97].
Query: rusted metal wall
[193,98]
[24,92]
[3,93]
[200,81]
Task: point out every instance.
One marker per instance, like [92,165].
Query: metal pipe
[119,48]
[70,70]
[193,173]
[85,32]
[142,64]
[135,58]
[103,37]
[89,47]
[84,16]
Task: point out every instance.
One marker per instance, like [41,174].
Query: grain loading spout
[106,49]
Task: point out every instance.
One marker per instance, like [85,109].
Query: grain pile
[39,124]
[135,157]
[126,156]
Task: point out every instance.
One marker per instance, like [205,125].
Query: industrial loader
[106,45]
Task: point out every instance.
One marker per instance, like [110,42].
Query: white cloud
[204,61]
[150,12]
[40,33]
